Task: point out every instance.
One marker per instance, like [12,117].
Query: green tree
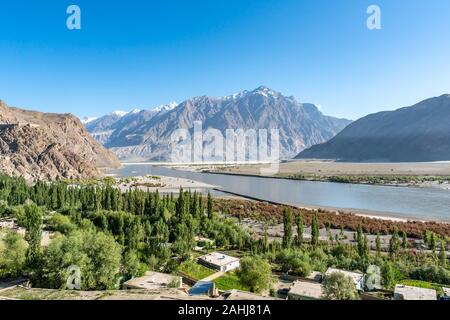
[366,248]
[255,273]
[378,245]
[338,286]
[433,242]
[96,254]
[299,223]
[287,222]
[443,255]
[210,206]
[295,261]
[362,244]
[394,243]
[131,264]
[13,256]
[265,240]
[388,276]
[404,241]
[32,222]
[314,231]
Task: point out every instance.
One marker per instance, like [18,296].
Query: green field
[229,281]
[195,270]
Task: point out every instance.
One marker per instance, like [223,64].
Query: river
[402,202]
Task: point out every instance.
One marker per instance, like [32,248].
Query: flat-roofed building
[154,280]
[305,290]
[244,295]
[219,261]
[403,292]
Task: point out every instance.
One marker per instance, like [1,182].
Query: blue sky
[143,54]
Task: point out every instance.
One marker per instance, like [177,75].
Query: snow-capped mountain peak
[262,90]
[119,113]
[134,111]
[166,107]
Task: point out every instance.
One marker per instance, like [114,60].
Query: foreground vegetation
[113,235]
[273,214]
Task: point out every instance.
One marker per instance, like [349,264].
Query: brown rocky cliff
[48,146]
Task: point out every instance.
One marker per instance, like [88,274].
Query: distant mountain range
[417,133]
[46,146]
[145,134]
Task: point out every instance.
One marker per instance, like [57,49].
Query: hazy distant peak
[87,120]
[417,133]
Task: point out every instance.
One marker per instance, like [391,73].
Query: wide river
[424,203]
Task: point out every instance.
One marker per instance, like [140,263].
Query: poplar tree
[394,243]
[210,206]
[299,228]
[404,241]
[443,255]
[287,221]
[32,222]
[314,230]
[378,245]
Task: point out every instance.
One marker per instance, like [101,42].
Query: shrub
[338,286]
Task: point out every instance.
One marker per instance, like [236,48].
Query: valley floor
[415,174]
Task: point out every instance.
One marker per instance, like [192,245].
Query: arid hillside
[37,145]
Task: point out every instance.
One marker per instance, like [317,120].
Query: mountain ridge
[146,135]
[414,133]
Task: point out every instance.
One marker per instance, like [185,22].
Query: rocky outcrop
[45,146]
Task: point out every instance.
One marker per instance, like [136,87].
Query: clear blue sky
[146,53]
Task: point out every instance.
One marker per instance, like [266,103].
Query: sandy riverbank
[415,174]
[162,184]
[316,167]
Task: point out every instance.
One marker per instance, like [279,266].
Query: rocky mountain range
[45,146]
[143,135]
[417,133]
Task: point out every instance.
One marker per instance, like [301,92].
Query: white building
[219,261]
[357,277]
[403,292]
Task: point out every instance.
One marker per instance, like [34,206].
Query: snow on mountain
[119,113]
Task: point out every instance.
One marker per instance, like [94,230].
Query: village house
[305,290]
[357,277]
[219,261]
[243,295]
[403,292]
[154,280]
